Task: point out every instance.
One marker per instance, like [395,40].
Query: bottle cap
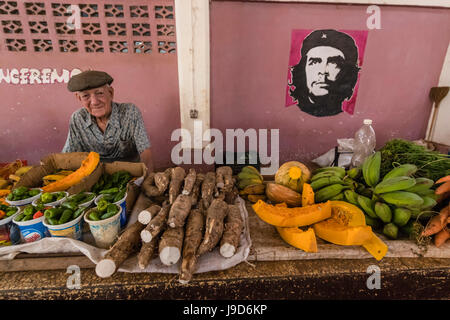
[367,121]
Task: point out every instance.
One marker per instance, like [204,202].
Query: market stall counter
[285,277]
[230,233]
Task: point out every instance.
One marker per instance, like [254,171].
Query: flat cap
[90,79]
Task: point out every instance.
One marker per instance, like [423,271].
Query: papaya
[293,174]
[296,237]
[333,231]
[307,195]
[347,226]
[282,216]
[88,165]
[278,193]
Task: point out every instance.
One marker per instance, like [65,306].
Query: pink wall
[249,64]
[35,117]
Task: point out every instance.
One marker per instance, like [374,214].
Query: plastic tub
[123,204]
[72,229]
[105,232]
[32,230]
[9,232]
[85,204]
[26,201]
[54,203]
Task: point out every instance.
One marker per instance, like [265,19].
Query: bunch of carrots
[438,225]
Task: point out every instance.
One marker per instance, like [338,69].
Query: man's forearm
[147,159]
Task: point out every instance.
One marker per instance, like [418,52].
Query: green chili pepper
[46,197]
[29,210]
[52,221]
[53,213]
[119,195]
[110,190]
[33,193]
[102,205]
[77,213]
[9,212]
[65,217]
[94,215]
[27,217]
[20,217]
[69,205]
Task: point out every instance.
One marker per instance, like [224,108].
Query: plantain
[354,172]
[339,170]
[329,192]
[326,174]
[394,184]
[383,212]
[371,169]
[338,197]
[326,181]
[422,185]
[428,203]
[14,177]
[367,205]
[22,170]
[350,182]
[255,197]
[246,175]
[401,216]
[373,222]
[3,183]
[402,199]
[247,182]
[401,170]
[351,197]
[390,230]
[254,189]
[252,170]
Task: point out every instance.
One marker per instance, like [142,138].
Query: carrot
[443,188]
[436,223]
[443,179]
[441,237]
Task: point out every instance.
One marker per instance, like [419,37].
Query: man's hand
[146,158]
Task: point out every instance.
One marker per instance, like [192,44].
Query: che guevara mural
[324,70]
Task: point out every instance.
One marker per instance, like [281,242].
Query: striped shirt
[124,139]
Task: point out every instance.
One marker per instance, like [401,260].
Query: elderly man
[326,74]
[114,130]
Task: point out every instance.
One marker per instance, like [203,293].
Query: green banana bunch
[402,199]
[354,172]
[422,185]
[351,197]
[401,170]
[326,174]
[339,170]
[371,169]
[325,181]
[329,192]
[401,216]
[367,205]
[394,184]
[383,212]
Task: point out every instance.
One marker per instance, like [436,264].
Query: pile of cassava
[186,215]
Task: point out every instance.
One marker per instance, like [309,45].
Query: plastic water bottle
[364,144]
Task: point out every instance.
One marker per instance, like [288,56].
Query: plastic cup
[123,204]
[26,201]
[9,233]
[72,229]
[104,231]
[54,203]
[32,230]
